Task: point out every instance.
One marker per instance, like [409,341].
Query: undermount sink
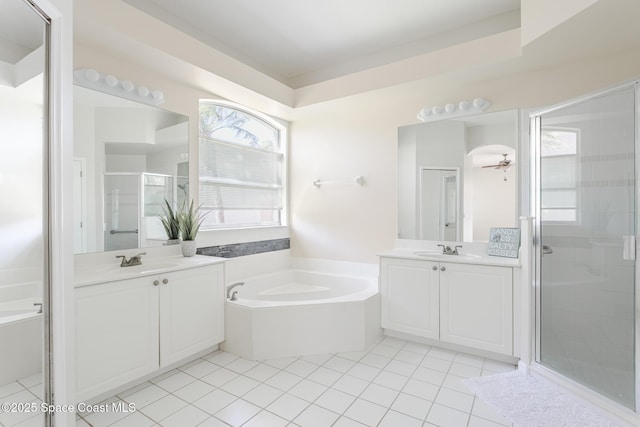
[150,268]
[438,254]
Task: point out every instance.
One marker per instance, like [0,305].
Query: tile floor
[397,383]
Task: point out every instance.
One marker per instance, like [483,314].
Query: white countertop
[436,256]
[92,274]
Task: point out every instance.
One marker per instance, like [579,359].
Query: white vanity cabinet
[465,304]
[129,328]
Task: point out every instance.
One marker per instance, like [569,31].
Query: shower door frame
[583,391]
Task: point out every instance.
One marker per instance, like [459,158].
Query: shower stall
[585,205]
[133,205]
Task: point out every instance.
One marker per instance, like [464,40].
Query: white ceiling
[302,42]
[21,30]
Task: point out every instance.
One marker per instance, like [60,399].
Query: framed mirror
[457,178]
[128,158]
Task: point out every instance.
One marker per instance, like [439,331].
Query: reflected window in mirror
[128,158]
[242,167]
[481,152]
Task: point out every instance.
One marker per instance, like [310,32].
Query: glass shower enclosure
[132,206]
[586,225]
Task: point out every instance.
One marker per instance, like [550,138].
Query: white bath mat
[529,401]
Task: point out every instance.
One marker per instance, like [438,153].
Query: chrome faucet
[233,296]
[134,260]
[446,250]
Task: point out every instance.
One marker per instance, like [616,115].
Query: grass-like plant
[190,221]
[170,221]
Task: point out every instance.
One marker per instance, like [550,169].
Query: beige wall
[355,135]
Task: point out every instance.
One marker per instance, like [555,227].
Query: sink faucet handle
[123,262]
[455,250]
[444,249]
[139,255]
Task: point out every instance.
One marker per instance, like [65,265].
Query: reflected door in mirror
[439,204]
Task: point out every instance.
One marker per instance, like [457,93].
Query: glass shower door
[121,211]
[586,231]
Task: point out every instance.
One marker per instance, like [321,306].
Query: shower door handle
[629,247]
[546,250]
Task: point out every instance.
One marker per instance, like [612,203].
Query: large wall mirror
[24,211]
[128,158]
[458,178]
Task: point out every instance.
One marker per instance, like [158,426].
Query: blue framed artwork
[504,242]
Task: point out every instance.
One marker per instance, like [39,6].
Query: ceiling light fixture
[112,85]
[462,108]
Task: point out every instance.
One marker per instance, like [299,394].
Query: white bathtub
[20,331]
[295,312]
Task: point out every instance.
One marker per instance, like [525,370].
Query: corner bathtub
[20,331]
[295,313]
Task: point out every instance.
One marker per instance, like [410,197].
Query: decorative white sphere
[143,91]
[449,108]
[437,109]
[463,106]
[111,80]
[92,75]
[127,85]
[157,95]
[478,102]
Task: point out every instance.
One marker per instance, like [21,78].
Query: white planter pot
[188,247]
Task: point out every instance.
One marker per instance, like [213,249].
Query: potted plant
[171,223]
[190,221]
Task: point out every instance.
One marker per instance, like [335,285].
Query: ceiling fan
[502,164]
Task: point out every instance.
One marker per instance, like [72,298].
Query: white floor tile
[482,410]
[339,364]
[213,402]
[391,380]
[316,416]
[412,406]
[261,372]
[421,389]
[221,358]
[335,401]
[365,412]
[263,395]
[174,382]
[454,382]
[409,357]
[347,422]
[353,355]
[415,347]
[31,381]
[35,421]
[280,363]
[163,408]
[200,368]
[378,394]
[241,365]
[400,367]
[455,399]
[283,380]
[266,419]
[444,416]
[396,419]
[10,388]
[385,350]
[212,422]
[364,372]
[238,413]
[429,376]
[220,377]
[442,353]
[98,419]
[137,419]
[307,390]
[351,385]
[318,359]
[436,364]
[288,406]
[194,391]
[301,368]
[464,371]
[324,376]
[468,359]
[375,360]
[240,385]
[145,396]
[481,422]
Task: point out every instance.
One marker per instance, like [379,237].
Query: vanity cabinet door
[476,306]
[116,334]
[191,312]
[410,296]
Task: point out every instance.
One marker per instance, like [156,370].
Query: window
[241,167]
[559,170]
